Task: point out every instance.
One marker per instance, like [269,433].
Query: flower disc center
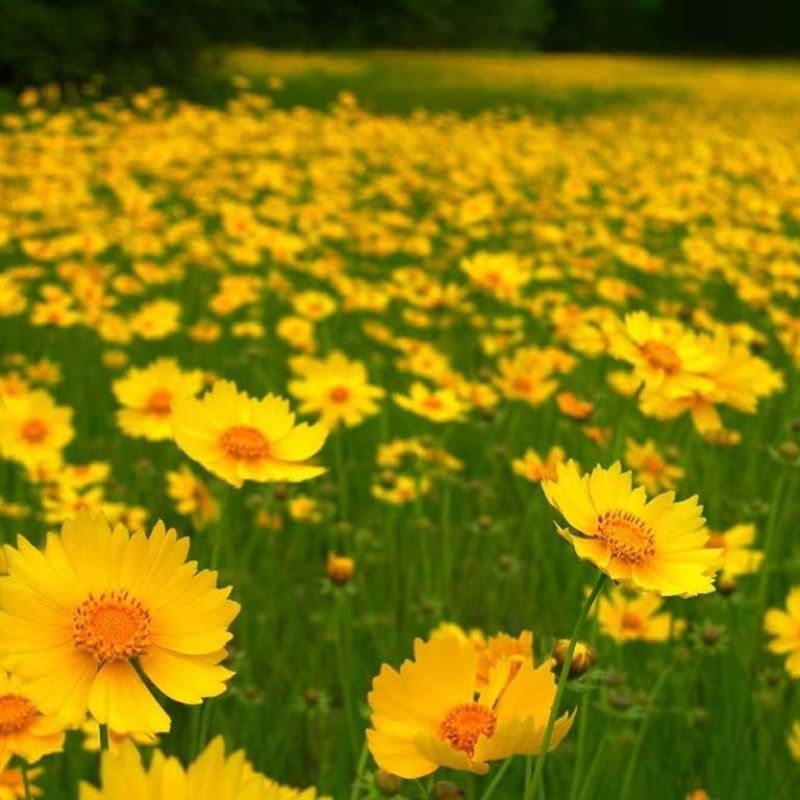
[16,714]
[245,443]
[465,723]
[113,627]
[627,536]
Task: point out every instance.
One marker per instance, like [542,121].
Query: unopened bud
[388,784]
[446,790]
[583,659]
[340,568]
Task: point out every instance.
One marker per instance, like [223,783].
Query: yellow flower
[429,715]
[34,430]
[794,741]
[737,556]
[24,730]
[336,388]
[438,405]
[339,568]
[650,468]
[303,507]
[657,546]
[77,616]
[401,489]
[785,627]
[571,406]
[148,395]
[12,782]
[191,496]
[531,466]
[626,618]
[212,776]
[239,438]
[91,738]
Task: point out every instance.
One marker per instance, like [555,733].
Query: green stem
[25,781]
[533,787]
[630,771]
[362,762]
[344,677]
[498,776]
[103,738]
[341,473]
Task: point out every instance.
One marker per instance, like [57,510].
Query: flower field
[417,426]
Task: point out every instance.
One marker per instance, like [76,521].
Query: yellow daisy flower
[34,430]
[148,395]
[657,546]
[24,730]
[627,618]
[239,438]
[428,714]
[212,776]
[785,627]
[738,558]
[438,405]
[651,469]
[77,616]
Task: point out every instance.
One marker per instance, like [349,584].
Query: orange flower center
[34,430]
[159,403]
[631,621]
[716,540]
[654,465]
[465,723]
[16,714]
[339,394]
[112,627]
[245,443]
[627,536]
[432,403]
[661,356]
[522,385]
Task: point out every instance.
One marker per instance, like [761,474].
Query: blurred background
[176,43]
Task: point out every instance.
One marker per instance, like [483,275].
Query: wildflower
[625,617]
[148,394]
[304,508]
[335,388]
[583,659]
[239,438]
[24,730]
[650,468]
[211,775]
[191,496]
[533,468]
[439,405]
[34,430]
[785,627]
[570,406]
[656,546]
[428,714]
[110,599]
[737,558]
[12,782]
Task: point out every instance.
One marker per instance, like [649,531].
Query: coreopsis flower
[339,569]
[534,468]
[212,776]
[571,406]
[784,626]
[626,617]
[651,469]
[191,496]
[502,275]
[24,730]
[657,546]
[429,715]
[437,405]
[335,388]
[738,557]
[80,619]
[794,740]
[239,438]
[400,489]
[148,394]
[313,305]
[34,430]
[303,508]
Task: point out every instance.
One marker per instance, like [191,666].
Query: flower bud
[446,790]
[340,569]
[388,784]
[583,659]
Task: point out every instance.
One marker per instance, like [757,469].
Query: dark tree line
[135,42]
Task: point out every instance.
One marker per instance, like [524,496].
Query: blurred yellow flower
[784,626]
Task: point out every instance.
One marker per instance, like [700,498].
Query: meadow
[473,280]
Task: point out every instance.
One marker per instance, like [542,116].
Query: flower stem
[533,787]
[103,738]
[25,782]
[362,762]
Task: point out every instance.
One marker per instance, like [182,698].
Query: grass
[679,158]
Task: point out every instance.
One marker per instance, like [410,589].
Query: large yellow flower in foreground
[429,715]
[239,437]
[213,776]
[148,395]
[785,627]
[657,546]
[24,730]
[77,618]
